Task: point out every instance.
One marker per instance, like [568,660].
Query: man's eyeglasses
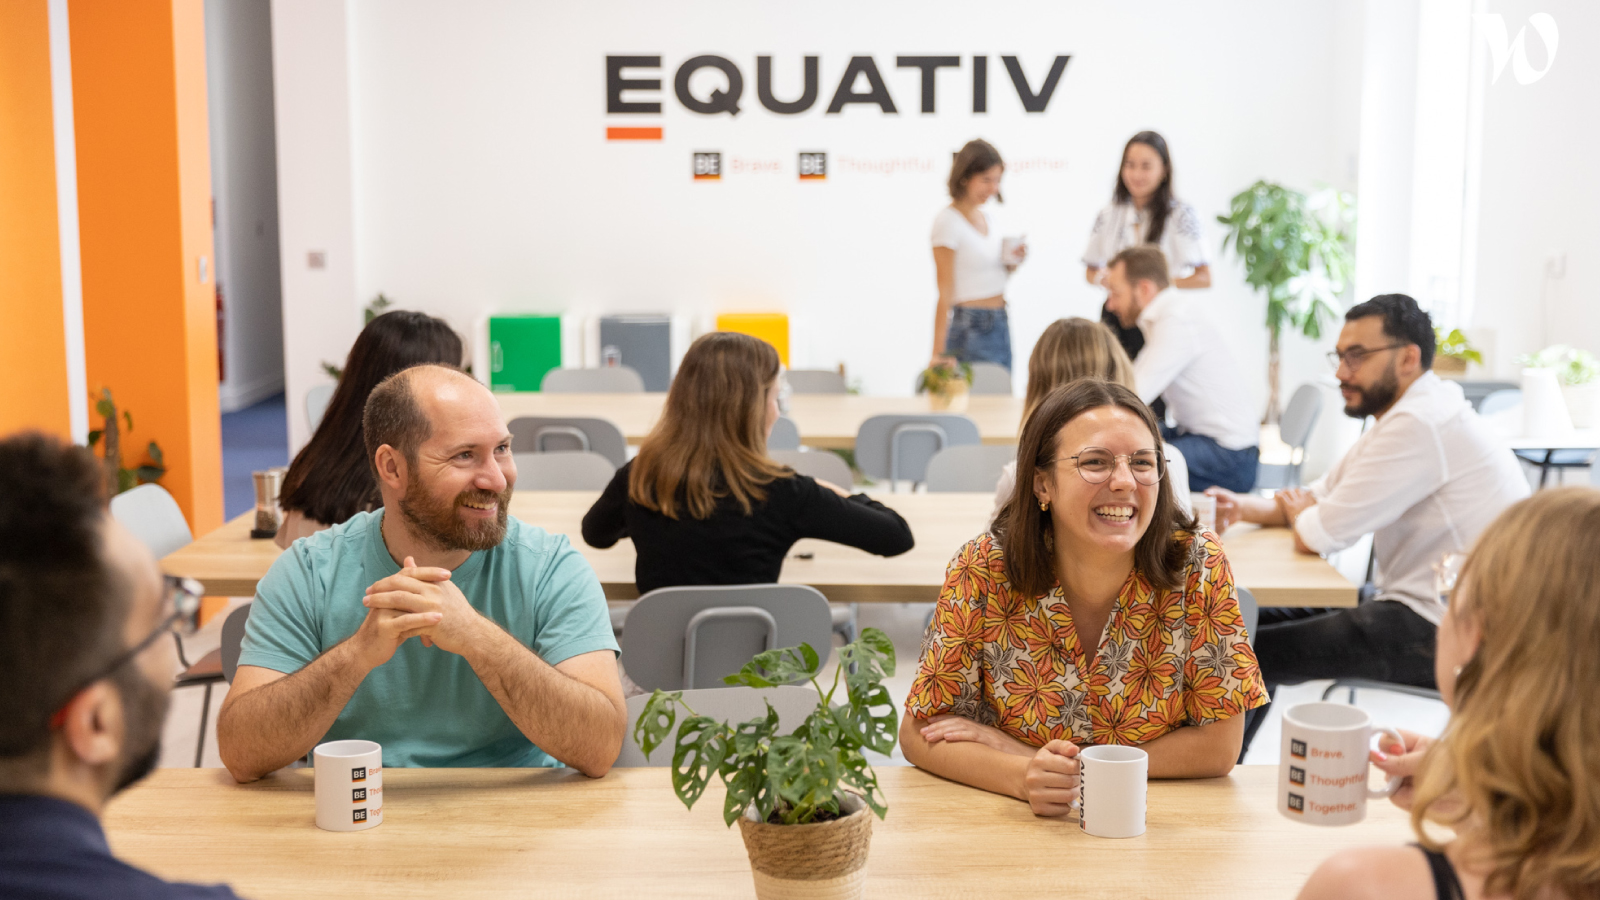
[1095,465]
[181,605]
[1355,356]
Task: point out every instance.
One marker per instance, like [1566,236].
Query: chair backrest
[708,632]
[563,470]
[317,403]
[972,468]
[725,704]
[606,380]
[898,446]
[154,518]
[1249,612]
[816,381]
[1500,401]
[1475,391]
[543,434]
[785,435]
[233,639]
[824,465]
[990,378]
[1294,426]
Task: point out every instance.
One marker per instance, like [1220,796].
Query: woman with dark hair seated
[1516,774]
[702,501]
[331,479]
[1095,612]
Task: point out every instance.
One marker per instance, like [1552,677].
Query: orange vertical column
[33,347]
[144,199]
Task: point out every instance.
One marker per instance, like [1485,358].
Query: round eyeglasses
[1095,465]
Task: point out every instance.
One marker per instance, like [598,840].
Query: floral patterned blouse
[1166,658]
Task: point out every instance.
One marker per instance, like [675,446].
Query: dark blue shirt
[54,850]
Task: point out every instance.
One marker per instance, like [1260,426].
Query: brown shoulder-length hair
[976,156]
[1071,349]
[1516,772]
[1023,529]
[711,441]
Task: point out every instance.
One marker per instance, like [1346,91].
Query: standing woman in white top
[1144,210]
[970,324]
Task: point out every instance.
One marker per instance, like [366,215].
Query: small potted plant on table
[947,385]
[800,799]
[1452,352]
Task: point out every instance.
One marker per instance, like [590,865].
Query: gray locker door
[643,342]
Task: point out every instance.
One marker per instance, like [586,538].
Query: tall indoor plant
[1296,249]
[800,799]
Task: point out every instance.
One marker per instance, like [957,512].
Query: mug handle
[1394,783]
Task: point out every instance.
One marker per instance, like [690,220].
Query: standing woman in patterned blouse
[1096,613]
[1144,210]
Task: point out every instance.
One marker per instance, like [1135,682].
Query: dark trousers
[1382,640]
[1210,463]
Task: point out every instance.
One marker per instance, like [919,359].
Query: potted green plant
[946,385]
[1296,250]
[108,436]
[801,799]
[1452,352]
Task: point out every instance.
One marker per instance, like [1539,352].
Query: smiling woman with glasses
[1096,612]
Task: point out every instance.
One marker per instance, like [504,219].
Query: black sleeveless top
[1445,884]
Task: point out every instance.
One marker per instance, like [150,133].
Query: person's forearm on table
[1196,751]
[574,722]
[969,763]
[268,727]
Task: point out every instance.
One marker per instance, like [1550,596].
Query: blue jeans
[979,335]
[1210,463]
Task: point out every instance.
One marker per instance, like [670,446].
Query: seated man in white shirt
[1186,361]
[1425,479]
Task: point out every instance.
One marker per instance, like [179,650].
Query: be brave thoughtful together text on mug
[1322,775]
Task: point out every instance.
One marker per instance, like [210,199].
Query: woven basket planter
[953,398]
[825,861]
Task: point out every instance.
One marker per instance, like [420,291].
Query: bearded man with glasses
[1423,480]
[86,664]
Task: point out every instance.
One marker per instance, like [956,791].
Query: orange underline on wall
[813,178]
[708,178]
[633,134]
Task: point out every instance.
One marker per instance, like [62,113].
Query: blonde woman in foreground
[1075,348]
[1516,773]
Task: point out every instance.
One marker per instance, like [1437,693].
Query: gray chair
[824,465]
[816,381]
[1500,401]
[1294,429]
[1249,613]
[1478,391]
[606,380]
[973,468]
[989,378]
[898,446]
[154,518]
[1351,685]
[725,704]
[679,638]
[317,403]
[543,434]
[233,640]
[785,435]
[563,470]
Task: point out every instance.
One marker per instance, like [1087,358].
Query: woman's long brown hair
[1023,529]
[1517,771]
[711,441]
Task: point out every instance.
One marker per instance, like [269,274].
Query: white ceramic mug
[349,785]
[1011,249]
[1205,510]
[1111,799]
[1322,768]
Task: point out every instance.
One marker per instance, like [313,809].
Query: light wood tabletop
[497,833]
[825,420]
[229,563]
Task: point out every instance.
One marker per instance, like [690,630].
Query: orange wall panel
[138,70]
[33,347]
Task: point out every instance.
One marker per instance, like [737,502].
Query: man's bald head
[401,409]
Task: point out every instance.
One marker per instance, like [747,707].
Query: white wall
[245,191]
[1540,190]
[457,152]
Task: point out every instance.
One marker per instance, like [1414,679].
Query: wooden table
[498,833]
[228,563]
[825,420]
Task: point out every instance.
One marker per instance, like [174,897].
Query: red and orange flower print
[1166,659]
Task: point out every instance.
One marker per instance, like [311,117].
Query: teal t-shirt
[425,705]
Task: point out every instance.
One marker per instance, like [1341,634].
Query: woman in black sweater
[702,501]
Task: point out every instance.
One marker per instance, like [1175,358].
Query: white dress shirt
[1186,360]
[1425,479]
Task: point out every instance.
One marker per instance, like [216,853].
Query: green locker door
[521,350]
